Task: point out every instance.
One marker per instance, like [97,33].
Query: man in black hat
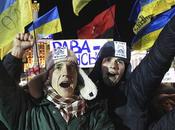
[129,94]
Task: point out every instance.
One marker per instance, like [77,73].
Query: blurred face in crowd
[64,78]
[168,102]
[112,70]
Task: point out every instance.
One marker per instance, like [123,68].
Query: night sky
[71,23]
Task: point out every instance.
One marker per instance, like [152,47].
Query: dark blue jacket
[129,100]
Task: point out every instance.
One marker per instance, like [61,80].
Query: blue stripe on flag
[48,17]
[157,23]
[135,11]
[144,2]
[4,4]
[136,8]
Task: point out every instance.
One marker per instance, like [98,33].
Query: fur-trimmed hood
[86,88]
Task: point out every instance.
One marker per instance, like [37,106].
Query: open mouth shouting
[65,84]
[111,74]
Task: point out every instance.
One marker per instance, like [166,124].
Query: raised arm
[12,98]
[148,75]
[13,61]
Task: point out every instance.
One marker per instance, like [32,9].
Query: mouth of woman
[65,84]
[111,74]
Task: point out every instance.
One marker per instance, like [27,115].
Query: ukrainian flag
[47,24]
[14,16]
[146,37]
[148,9]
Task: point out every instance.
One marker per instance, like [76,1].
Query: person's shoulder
[97,104]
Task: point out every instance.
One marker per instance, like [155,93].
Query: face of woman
[112,70]
[64,78]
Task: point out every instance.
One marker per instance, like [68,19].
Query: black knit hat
[109,50]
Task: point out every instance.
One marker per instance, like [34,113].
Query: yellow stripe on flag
[78,5]
[146,41]
[12,21]
[156,7]
[49,28]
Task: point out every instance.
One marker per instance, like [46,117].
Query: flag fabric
[136,8]
[5,4]
[157,7]
[47,24]
[99,25]
[14,16]
[145,10]
[146,37]
[78,5]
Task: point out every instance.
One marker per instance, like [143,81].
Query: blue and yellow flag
[14,16]
[78,5]
[148,10]
[146,37]
[136,8]
[47,24]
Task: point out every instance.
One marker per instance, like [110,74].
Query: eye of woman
[119,61]
[108,59]
[58,65]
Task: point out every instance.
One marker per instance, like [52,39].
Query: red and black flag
[102,26]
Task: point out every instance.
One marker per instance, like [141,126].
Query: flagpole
[35,8]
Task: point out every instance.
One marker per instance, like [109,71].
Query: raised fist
[22,42]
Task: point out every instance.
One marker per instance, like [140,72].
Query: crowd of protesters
[64,97]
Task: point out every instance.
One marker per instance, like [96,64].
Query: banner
[85,50]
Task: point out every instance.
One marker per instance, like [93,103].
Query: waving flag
[136,8]
[102,23]
[146,37]
[14,16]
[47,24]
[145,10]
[78,5]
[157,7]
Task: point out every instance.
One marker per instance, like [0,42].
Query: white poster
[86,50]
[169,76]
[137,56]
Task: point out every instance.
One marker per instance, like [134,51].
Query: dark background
[71,23]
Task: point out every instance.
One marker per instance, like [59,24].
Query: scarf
[68,107]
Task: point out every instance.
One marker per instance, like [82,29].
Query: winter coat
[166,122]
[128,101]
[20,111]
